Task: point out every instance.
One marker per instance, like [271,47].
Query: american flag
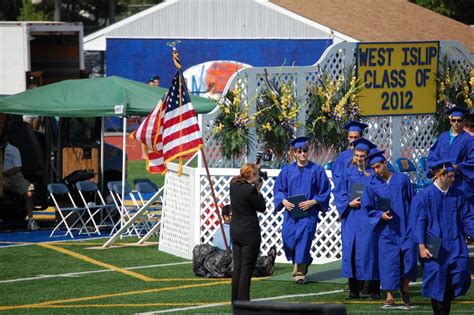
[171,130]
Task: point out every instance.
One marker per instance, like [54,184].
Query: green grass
[175,285]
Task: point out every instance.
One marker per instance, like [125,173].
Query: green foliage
[232,126]
[460,10]
[330,106]
[277,123]
[30,13]
[455,88]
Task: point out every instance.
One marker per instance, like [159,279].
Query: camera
[263,175]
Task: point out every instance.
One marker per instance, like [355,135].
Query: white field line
[262,299]
[76,274]
[221,304]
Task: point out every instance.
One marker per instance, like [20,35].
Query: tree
[30,13]
[460,10]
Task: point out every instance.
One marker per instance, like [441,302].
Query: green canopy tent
[97,97]
[92,98]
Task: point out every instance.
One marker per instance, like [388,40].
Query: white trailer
[48,51]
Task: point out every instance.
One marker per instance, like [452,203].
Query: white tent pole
[102,128]
[124,167]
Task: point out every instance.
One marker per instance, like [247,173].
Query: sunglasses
[456,120]
[305,150]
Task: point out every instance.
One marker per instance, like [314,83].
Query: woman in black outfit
[246,200]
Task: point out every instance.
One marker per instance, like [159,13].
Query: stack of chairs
[71,217]
[145,190]
[128,207]
[106,214]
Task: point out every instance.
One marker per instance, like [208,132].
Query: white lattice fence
[179,240]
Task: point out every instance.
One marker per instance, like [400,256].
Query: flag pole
[177,63]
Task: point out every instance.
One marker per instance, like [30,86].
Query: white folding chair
[126,209]
[145,190]
[95,203]
[67,209]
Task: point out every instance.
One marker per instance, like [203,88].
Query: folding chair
[127,211]
[95,203]
[405,165]
[60,195]
[145,190]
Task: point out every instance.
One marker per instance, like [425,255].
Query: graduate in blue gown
[359,242]
[354,131]
[444,213]
[457,146]
[302,177]
[387,200]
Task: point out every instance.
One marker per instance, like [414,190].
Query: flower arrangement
[330,106]
[455,87]
[277,121]
[232,125]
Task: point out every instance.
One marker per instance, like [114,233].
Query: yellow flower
[468,102]
[267,126]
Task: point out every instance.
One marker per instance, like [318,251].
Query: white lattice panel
[326,245]
[178,222]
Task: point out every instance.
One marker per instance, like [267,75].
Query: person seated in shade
[14,181]
[443,214]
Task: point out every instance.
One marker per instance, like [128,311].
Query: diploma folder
[356,191]
[433,244]
[297,212]
[384,204]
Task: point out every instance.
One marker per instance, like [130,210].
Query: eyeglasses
[456,120]
[305,150]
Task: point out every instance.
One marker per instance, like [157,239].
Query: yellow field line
[110,295]
[96,262]
[38,306]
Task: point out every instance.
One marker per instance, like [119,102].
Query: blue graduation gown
[461,152]
[449,217]
[342,162]
[395,236]
[312,182]
[355,227]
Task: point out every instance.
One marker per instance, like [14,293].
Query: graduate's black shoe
[352,296]
[307,265]
[405,298]
[273,253]
[374,296]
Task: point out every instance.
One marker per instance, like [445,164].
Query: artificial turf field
[78,277]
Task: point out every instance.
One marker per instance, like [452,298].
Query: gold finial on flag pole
[176,60]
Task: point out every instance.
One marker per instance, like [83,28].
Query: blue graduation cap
[355,126]
[299,142]
[363,144]
[375,156]
[435,167]
[457,111]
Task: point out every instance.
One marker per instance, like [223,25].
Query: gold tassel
[176,60]
[292,153]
